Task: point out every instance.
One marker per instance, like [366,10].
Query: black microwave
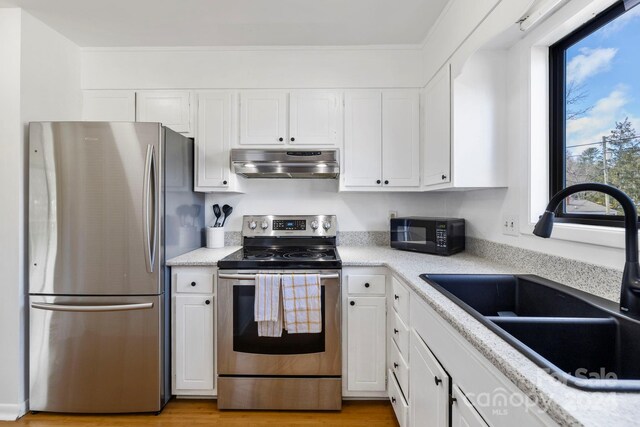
[439,236]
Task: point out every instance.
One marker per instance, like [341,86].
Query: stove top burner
[286,242]
[304,255]
[282,257]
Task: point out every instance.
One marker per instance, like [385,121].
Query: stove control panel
[290,226]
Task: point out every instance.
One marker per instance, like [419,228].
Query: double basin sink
[581,339]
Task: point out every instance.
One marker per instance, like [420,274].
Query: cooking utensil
[217,213]
[227,211]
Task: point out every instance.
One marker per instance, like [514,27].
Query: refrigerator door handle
[91,308]
[150,194]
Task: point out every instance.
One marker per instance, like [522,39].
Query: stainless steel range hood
[313,164]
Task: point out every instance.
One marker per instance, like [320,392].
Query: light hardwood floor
[205,413]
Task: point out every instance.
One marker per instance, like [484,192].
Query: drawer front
[369,284]
[399,367]
[400,405]
[400,334]
[194,282]
[400,299]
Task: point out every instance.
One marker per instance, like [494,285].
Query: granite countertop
[566,405]
[202,256]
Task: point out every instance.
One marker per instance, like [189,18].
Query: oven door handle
[253,276]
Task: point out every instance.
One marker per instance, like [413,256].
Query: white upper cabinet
[437,129]
[401,138]
[314,117]
[109,105]
[213,141]
[299,117]
[172,108]
[382,140]
[363,138]
[263,117]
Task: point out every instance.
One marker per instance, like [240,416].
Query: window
[595,114]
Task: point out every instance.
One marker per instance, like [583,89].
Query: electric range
[294,371]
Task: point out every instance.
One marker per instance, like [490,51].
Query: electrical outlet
[510,225]
[393,214]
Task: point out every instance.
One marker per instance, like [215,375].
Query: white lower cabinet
[429,384]
[365,327]
[366,343]
[194,341]
[463,414]
[398,401]
[193,331]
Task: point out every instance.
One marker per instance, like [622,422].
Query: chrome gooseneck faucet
[630,292]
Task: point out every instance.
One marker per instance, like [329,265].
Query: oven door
[242,352]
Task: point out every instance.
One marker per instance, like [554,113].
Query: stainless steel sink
[581,339]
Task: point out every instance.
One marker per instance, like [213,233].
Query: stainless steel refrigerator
[108,204]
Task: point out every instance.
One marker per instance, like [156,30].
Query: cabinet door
[213,140]
[194,342]
[366,344]
[314,117]
[437,129]
[428,385]
[363,138]
[109,105]
[463,414]
[172,108]
[263,118]
[400,138]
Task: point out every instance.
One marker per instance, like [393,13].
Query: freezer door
[95,354]
[94,208]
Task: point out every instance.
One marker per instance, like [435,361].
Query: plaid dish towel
[302,310]
[268,305]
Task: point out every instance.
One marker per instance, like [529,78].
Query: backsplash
[363,238]
[345,238]
[601,281]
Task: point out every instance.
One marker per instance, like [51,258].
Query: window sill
[612,237]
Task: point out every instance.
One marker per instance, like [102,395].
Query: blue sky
[607,65]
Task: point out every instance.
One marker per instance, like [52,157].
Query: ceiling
[119,23]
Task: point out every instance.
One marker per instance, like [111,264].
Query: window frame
[557,117]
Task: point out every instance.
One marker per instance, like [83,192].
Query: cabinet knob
[224,182]
[386,182]
[352,303]
[396,297]
[395,365]
[207,302]
[366,285]
[292,139]
[393,400]
[193,283]
[378,182]
[444,176]
[280,139]
[437,380]
[395,331]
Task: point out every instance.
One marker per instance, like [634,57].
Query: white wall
[485,209]
[11,218]
[202,68]
[39,80]
[355,211]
